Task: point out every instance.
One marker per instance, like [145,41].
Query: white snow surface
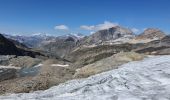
[148,79]
[9,67]
[59,65]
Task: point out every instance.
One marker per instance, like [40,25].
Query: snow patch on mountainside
[59,65]
[139,80]
[9,67]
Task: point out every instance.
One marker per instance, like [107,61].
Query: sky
[59,17]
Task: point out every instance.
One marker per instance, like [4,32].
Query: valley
[101,63]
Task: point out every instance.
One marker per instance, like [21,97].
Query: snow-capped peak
[78,35]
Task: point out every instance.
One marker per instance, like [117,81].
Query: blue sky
[60,17]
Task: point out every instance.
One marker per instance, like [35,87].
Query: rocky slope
[11,66]
[7,47]
[140,80]
[86,55]
[157,47]
[107,64]
[30,75]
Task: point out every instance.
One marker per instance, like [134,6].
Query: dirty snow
[139,80]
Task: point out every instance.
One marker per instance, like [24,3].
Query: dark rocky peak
[7,47]
[166,39]
[71,39]
[108,35]
[115,32]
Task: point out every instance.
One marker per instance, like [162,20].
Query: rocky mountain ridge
[152,33]
[109,35]
[65,44]
[8,47]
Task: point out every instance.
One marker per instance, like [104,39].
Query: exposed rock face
[7,47]
[107,35]
[152,33]
[166,40]
[157,47]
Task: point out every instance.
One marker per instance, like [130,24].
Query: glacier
[148,79]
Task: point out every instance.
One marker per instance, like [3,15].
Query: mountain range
[13,47]
[62,45]
[38,62]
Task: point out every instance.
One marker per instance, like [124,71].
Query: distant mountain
[51,45]
[75,36]
[152,33]
[37,40]
[61,45]
[31,41]
[109,35]
[8,47]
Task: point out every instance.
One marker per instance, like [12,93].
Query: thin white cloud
[135,30]
[61,27]
[102,26]
[92,32]
[106,25]
[85,27]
